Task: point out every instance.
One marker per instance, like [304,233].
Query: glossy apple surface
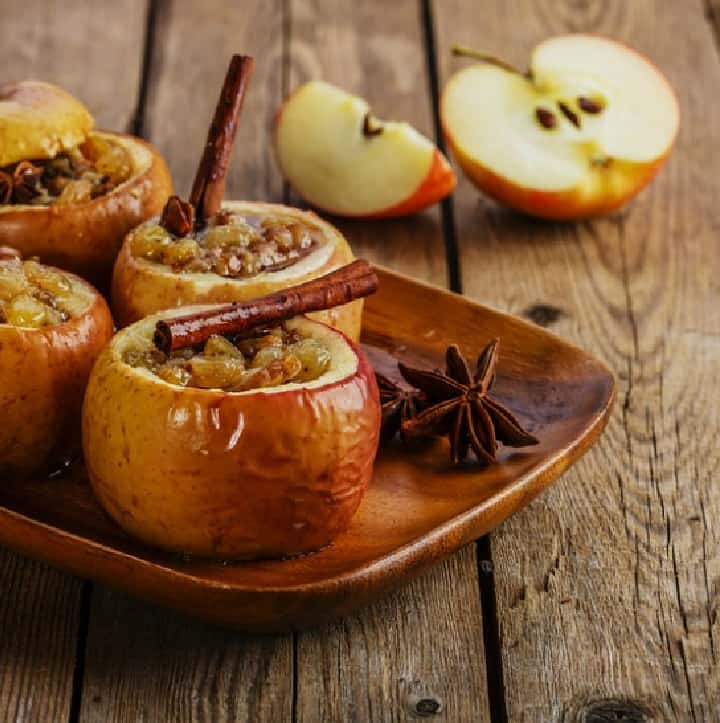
[388,169]
[261,473]
[43,374]
[85,237]
[141,287]
[585,132]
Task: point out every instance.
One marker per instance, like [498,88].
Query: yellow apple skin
[230,475]
[43,374]
[140,288]
[607,189]
[85,237]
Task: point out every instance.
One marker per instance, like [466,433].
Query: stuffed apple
[267,445]
[52,327]
[244,251]
[68,193]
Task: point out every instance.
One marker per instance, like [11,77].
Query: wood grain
[39,607]
[609,585]
[409,653]
[39,616]
[145,663]
[142,662]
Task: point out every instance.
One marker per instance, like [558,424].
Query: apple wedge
[341,159]
[580,134]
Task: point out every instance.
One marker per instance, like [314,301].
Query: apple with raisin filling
[244,251]
[268,438]
[69,193]
[52,327]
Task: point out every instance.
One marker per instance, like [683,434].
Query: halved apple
[264,472]
[580,134]
[52,327]
[341,159]
[142,286]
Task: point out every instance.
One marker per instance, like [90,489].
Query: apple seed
[570,114]
[588,105]
[546,118]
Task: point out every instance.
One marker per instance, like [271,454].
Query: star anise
[461,407]
[398,405]
[26,177]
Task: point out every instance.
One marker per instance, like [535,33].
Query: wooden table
[598,602]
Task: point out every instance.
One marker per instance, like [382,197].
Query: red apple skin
[439,182]
[569,205]
[232,476]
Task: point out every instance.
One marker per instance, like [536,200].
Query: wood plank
[39,616]
[608,587]
[143,662]
[40,607]
[421,649]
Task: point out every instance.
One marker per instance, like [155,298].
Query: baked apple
[244,251]
[266,446]
[52,327]
[68,193]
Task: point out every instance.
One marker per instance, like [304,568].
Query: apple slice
[579,135]
[341,159]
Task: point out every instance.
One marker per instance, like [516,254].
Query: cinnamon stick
[209,184]
[341,286]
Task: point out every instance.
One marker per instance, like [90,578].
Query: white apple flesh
[581,134]
[340,159]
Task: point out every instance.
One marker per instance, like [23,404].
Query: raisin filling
[268,358]
[233,245]
[33,295]
[91,170]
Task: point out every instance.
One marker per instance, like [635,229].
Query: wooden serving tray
[418,510]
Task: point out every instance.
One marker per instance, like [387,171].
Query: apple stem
[466,52]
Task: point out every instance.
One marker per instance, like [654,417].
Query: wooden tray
[417,511]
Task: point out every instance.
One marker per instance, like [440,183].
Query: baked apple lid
[39,120]
[343,361]
[325,241]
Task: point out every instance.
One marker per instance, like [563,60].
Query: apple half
[238,475]
[341,159]
[44,367]
[141,286]
[580,134]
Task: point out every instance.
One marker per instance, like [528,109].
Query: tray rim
[403,562]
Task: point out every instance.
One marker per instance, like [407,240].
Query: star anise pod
[398,405]
[26,177]
[461,407]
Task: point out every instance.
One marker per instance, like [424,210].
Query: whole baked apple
[52,327]
[246,250]
[257,446]
[580,134]
[68,193]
